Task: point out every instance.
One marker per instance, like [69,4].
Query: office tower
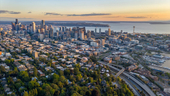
[49,27]
[28,28]
[13,26]
[42,24]
[100,31]
[16,21]
[88,34]
[95,30]
[109,32]
[35,54]
[133,30]
[17,27]
[55,29]
[23,27]
[41,37]
[70,29]
[63,29]
[33,27]
[76,35]
[81,35]
[45,27]
[51,32]
[102,42]
[42,30]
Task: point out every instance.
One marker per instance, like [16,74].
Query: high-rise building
[17,27]
[102,42]
[109,32]
[81,35]
[63,29]
[13,26]
[45,27]
[41,37]
[33,27]
[16,21]
[95,30]
[100,31]
[133,30]
[42,23]
[55,29]
[51,32]
[76,35]
[70,29]
[88,34]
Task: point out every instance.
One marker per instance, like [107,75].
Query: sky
[85,10]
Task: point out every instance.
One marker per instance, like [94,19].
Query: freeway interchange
[127,75]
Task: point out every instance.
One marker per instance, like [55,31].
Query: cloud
[9,12]
[12,12]
[52,13]
[3,11]
[13,18]
[137,17]
[113,17]
[29,12]
[91,14]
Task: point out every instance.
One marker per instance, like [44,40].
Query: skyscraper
[51,32]
[42,23]
[13,25]
[88,34]
[33,27]
[76,35]
[81,35]
[95,30]
[100,30]
[133,30]
[16,21]
[102,42]
[109,32]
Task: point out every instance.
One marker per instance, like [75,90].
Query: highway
[131,86]
[142,85]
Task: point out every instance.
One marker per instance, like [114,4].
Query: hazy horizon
[88,10]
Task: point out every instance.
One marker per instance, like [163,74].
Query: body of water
[139,27]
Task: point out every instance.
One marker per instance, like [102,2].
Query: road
[142,85]
[131,86]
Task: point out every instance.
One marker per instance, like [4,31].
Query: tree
[15,70]
[93,58]
[79,76]
[2,69]
[76,94]
[33,84]
[49,91]
[60,84]
[54,86]
[35,72]
[91,79]
[76,71]
[61,73]
[25,93]
[55,76]
[67,72]
[95,92]
[24,75]
[88,93]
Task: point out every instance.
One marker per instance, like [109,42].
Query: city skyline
[96,10]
